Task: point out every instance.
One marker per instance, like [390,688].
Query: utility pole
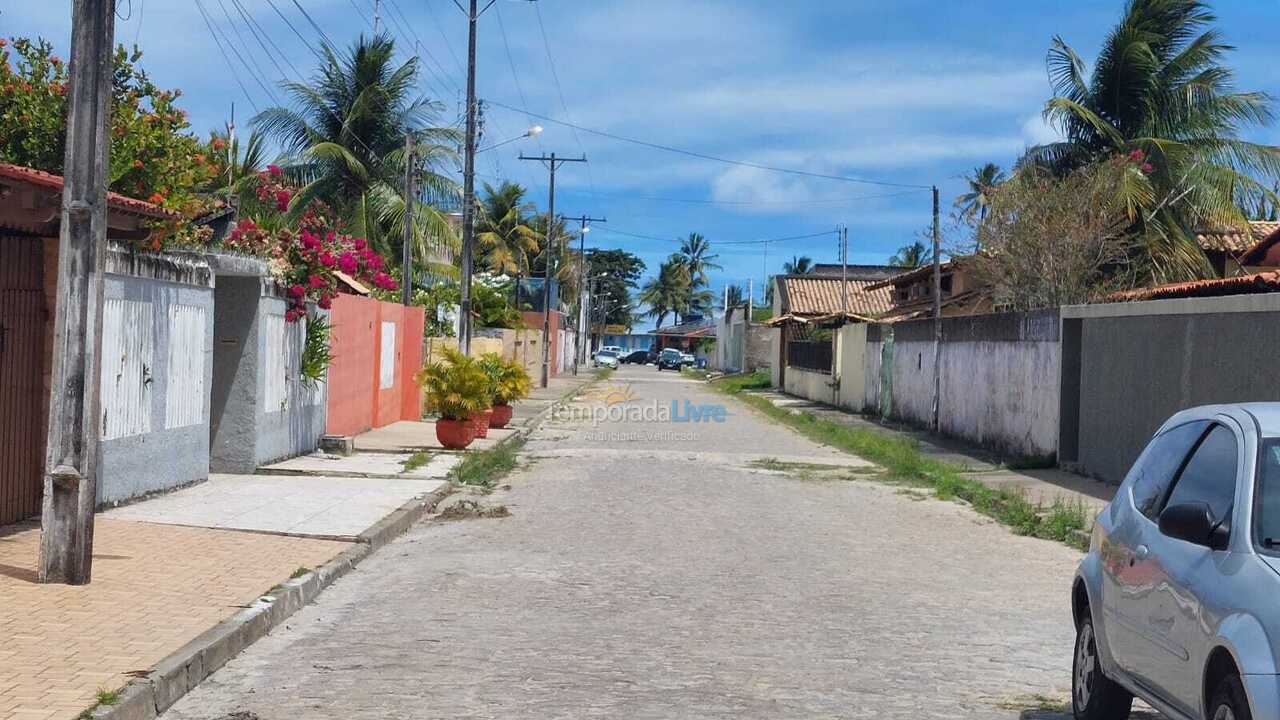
[937,316]
[746,324]
[406,252]
[231,154]
[71,477]
[377,15]
[551,162]
[844,272]
[582,275]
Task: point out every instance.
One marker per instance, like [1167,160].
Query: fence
[811,355]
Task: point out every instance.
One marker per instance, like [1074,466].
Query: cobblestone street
[657,569]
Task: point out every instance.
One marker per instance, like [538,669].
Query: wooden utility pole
[70,482]
[582,281]
[937,316]
[406,252]
[552,163]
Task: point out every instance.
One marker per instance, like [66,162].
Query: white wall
[850,361]
[810,385]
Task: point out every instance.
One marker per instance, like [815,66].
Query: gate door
[22,337]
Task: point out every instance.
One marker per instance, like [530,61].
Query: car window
[1155,468]
[1267,512]
[1209,477]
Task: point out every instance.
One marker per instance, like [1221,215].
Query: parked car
[636,357]
[615,349]
[670,359]
[1175,601]
[689,360]
[606,358]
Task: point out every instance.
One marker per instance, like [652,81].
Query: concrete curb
[184,669]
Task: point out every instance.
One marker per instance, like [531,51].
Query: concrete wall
[850,363]
[811,385]
[374,344]
[157,369]
[260,411]
[999,378]
[1128,367]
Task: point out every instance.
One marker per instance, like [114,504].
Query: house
[811,295]
[1267,281]
[911,292]
[686,337]
[1227,249]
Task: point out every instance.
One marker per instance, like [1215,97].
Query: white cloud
[1038,132]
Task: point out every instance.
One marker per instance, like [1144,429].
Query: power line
[294,28]
[253,68]
[743,203]
[560,90]
[307,16]
[704,156]
[720,242]
[267,38]
[234,75]
[440,27]
[247,50]
[420,44]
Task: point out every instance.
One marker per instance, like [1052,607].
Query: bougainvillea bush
[304,260]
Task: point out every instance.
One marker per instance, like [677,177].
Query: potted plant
[508,382]
[456,389]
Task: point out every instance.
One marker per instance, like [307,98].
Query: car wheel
[1094,696]
[1229,701]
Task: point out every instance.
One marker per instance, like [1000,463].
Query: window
[1210,475]
[1152,473]
[1267,520]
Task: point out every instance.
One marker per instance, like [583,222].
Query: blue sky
[915,92]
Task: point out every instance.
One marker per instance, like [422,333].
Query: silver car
[1178,599]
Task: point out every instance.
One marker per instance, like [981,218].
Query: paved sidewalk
[154,588]
[365,465]
[1045,486]
[329,507]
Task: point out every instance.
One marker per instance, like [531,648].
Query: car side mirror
[1194,523]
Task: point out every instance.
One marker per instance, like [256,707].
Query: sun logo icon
[614,394]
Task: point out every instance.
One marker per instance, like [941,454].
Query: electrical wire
[546,43]
[230,66]
[294,28]
[445,36]
[443,75]
[253,23]
[314,26]
[714,158]
[766,242]
[256,69]
[744,203]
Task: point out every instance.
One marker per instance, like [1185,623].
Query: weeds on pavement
[486,467]
[416,461]
[903,461]
[602,373]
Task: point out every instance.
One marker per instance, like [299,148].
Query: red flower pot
[455,434]
[501,416]
[481,422]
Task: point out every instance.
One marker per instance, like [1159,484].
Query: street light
[531,132]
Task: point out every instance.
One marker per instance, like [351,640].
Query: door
[1131,573]
[1175,621]
[22,394]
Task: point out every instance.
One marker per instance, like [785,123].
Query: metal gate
[22,338]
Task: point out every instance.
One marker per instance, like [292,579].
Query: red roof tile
[820,295]
[1236,240]
[1263,282]
[115,201]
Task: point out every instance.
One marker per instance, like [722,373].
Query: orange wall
[356,403]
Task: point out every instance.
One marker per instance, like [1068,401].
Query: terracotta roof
[923,307]
[856,272]
[820,295]
[1236,240]
[1263,282]
[115,201]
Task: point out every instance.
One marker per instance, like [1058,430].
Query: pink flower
[297,291]
[326,302]
[309,241]
[326,259]
[358,243]
[316,282]
[1147,168]
[384,281]
[347,263]
[282,200]
[1136,155]
[275,171]
[374,261]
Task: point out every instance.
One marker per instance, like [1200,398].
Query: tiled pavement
[154,588]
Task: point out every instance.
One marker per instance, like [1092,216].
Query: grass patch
[485,468]
[784,466]
[903,461]
[602,373]
[416,460]
[758,380]
[107,697]
[470,509]
[299,572]
[696,373]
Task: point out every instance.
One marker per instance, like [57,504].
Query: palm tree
[668,293]
[507,242]
[734,296]
[344,139]
[1160,94]
[911,256]
[246,160]
[801,265]
[693,250]
[982,184]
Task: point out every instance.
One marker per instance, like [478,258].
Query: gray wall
[173,449]
[1128,367]
[261,412]
[1000,378]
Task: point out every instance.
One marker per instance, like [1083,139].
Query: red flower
[358,243]
[316,282]
[347,263]
[374,260]
[297,291]
[326,259]
[282,200]
[155,199]
[309,241]
[1147,168]
[274,170]
[294,314]
[137,164]
[384,281]
[325,302]
[3,42]
[55,60]
[219,144]
[1136,155]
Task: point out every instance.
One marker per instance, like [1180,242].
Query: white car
[607,358]
[615,349]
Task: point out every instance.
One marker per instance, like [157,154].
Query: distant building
[911,292]
[1227,249]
